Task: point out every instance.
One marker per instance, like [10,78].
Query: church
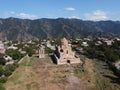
[64,54]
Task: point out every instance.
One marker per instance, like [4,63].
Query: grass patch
[34,60]
[104,76]
[25,61]
[28,86]
[14,79]
[32,86]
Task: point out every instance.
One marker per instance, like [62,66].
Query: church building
[64,54]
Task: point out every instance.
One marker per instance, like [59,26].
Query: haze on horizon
[81,9]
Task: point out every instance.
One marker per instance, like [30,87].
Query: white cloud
[27,16]
[74,16]
[69,9]
[97,15]
[11,12]
[19,15]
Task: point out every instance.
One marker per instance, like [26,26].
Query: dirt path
[88,80]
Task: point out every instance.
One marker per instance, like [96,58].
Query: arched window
[61,50]
[68,61]
[67,52]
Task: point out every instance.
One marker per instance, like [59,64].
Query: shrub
[1,71]
[2,87]
[3,80]
[2,61]
[7,72]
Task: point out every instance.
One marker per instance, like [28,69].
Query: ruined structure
[2,48]
[41,51]
[64,54]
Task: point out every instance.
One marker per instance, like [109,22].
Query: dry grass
[36,74]
[105,78]
[42,74]
[30,75]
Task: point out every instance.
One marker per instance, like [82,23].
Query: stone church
[64,54]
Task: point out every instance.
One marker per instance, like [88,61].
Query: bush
[29,51]
[1,71]
[7,72]
[2,61]
[3,80]
[15,54]
[9,69]
[2,87]
[48,50]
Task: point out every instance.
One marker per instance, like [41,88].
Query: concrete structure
[63,53]
[117,65]
[109,42]
[42,52]
[12,47]
[48,44]
[7,57]
[10,62]
[85,44]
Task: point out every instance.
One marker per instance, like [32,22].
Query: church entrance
[68,61]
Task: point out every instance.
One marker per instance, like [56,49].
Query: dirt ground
[42,74]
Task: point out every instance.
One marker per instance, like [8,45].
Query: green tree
[48,50]
[7,72]
[11,67]
[30,51]
[1,71]
[2,61]
[15,54]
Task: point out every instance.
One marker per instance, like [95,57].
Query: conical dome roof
[64,41]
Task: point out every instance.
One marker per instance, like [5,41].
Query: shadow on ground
[114,79]
[53,59]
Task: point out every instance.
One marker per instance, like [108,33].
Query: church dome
[64,41]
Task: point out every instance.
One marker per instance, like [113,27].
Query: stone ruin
[41,51]
[2,48]
[64,54]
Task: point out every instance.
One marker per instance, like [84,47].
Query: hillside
[24,29]
[42,74]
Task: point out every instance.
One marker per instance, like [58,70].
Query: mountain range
[25,29]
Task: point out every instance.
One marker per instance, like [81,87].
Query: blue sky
[82,9]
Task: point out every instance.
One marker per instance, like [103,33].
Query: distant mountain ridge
[25,29]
